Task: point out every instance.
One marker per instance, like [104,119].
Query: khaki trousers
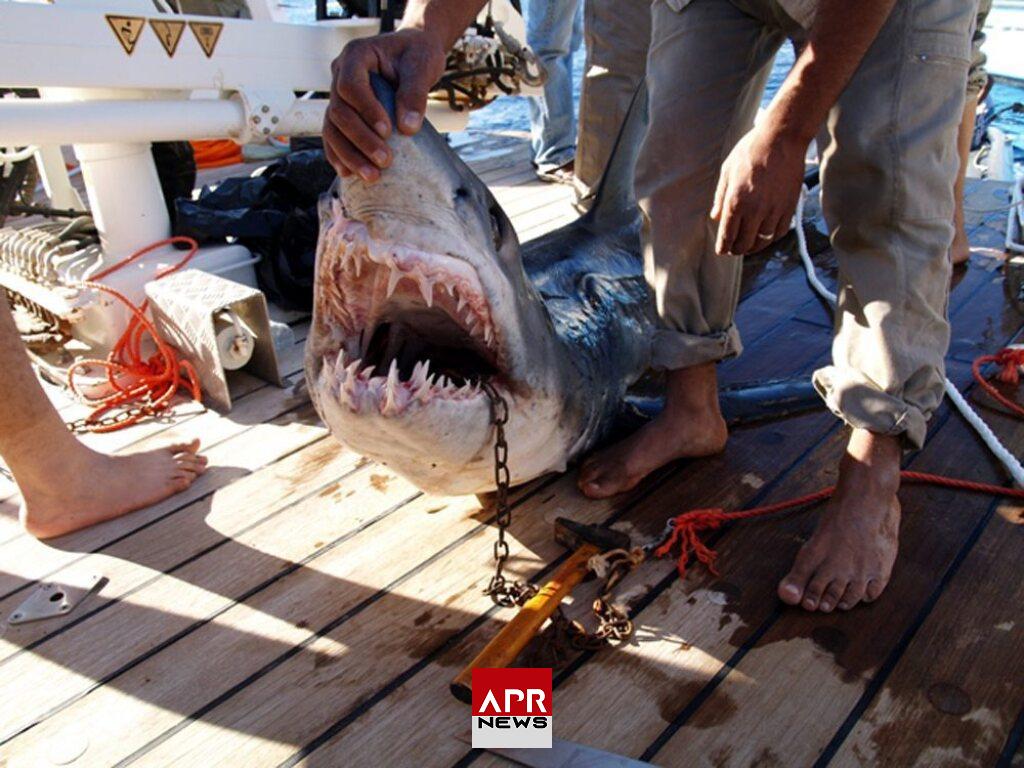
[616,34]
[887,192]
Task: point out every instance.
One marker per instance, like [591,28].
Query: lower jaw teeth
[355,385]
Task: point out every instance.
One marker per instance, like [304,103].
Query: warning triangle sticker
[207,33]
[168,33]
[127,30]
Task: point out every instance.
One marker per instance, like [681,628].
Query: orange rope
[687,527]
[1009,360]
[152,381]
[216,153]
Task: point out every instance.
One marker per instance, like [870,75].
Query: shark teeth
[356,387]
[357,272]
[393,279]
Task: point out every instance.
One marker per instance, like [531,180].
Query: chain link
[502,591]
[85,425]
[613,622]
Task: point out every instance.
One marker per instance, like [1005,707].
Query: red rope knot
[686,529]
[1009,361]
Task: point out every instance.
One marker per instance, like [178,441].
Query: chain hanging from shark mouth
[613,621]
[503,592]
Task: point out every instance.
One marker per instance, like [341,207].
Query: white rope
[1000,451]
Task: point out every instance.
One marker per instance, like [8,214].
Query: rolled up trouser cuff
[862,405]
[673,350]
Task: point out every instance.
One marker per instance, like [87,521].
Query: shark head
[421,305]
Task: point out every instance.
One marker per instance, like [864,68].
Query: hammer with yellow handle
[585,541]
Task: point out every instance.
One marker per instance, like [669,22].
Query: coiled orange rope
[688,527]
[142,386]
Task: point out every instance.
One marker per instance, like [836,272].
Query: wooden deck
[299,605]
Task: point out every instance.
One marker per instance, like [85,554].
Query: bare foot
[92,487]
[850,556]
[691,425]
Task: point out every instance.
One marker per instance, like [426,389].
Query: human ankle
[48,469]
[694,391]
[871,463]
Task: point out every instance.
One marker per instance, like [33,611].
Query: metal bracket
[264,111]
[56,598]
[185,307]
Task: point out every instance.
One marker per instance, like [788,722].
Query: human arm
[760,179]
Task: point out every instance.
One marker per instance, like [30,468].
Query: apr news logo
[512,708]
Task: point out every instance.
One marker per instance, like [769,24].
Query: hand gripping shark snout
[423,295]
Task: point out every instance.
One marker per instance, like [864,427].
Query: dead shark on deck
[423,294]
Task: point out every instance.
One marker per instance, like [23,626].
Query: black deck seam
[199,623]
[896,654]
[345,616]
[118,539]
[183,563]
[1014,742]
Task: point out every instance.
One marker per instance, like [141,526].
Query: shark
[428,311]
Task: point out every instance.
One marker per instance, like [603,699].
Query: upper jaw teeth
[348,252]
[356,387]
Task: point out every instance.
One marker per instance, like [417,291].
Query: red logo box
[512,707]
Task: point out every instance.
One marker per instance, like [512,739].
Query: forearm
[839,38]
[446,19]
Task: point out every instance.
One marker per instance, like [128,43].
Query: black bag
[274,215]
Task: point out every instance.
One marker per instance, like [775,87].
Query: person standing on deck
[887,78]
[554,34]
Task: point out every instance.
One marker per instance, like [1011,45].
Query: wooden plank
[953,696]
[344,581]
[161,547]
[745,458]
[232,550]
[956,692]
[257,444]
[423,698]
[791,642]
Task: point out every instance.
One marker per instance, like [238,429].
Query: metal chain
[613,621]
[503,592]
[86,425]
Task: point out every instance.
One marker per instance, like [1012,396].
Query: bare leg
[691,425]
[850,556]
[960,251]
[65,485]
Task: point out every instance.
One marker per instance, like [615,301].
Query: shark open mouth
[407,327]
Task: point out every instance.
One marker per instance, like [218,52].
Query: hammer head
[572,535]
